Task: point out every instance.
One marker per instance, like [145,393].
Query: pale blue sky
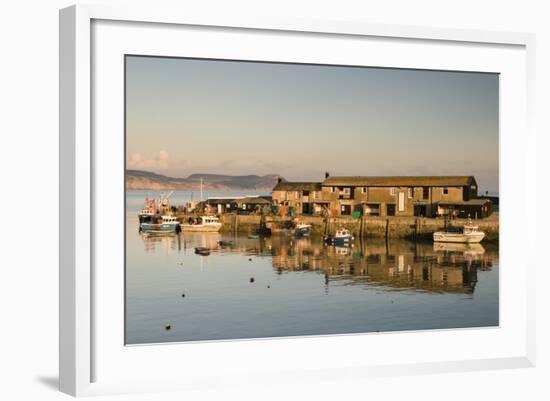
[189,116]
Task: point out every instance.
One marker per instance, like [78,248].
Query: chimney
[326,174]
[279,180]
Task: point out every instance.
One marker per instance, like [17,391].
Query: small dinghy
[202,251]
[223,243]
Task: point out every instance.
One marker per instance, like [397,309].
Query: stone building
[427,196]
[300,197]
[396,195]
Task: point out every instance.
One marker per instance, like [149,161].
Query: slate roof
[400,181]
[297,186]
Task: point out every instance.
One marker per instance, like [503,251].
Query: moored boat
[469,234]
[165,224]
[202,223]
[149,210]
[302,230]
[202,251]
[341,237]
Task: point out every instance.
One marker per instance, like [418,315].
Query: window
[445,191]
[425,193]
[392,191]
[346,190]
[332,189]
[364,190]
[410,193]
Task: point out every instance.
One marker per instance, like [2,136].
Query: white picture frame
[82,344]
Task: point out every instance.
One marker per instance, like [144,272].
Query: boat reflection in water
[389,266]
[241,287]
[156,241]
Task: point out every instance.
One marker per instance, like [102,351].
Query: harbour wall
[366,227]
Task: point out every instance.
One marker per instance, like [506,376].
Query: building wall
[356,198]
[380,196]
[296,199]
[454,194]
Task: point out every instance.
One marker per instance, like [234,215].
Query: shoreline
[411,228]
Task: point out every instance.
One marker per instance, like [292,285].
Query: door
[390,209]
[401,202]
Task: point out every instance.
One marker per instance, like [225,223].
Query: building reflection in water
[394,264]
[389,265]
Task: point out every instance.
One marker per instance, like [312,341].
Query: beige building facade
[427,196]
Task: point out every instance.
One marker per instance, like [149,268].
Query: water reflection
[378,264]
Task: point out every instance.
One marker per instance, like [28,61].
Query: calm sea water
[283,286]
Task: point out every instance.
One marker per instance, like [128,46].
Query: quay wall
[367,227]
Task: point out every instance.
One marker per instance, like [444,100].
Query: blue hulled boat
[166,224]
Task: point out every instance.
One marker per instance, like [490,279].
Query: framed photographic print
[284,200]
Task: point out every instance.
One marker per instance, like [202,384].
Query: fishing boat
[154,207]
[149,210]
[165,224]
[202,223]
[469,234]
[302,230]
[145,215]
[341,237]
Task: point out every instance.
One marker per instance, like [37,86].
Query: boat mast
[201,189]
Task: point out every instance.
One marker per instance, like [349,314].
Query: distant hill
[138,179]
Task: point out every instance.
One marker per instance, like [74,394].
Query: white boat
[341,237]
[202,223]
[469,234]
[302,230]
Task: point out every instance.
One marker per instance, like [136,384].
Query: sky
[186,116]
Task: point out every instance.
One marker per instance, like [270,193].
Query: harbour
[280,199]
[390,276]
